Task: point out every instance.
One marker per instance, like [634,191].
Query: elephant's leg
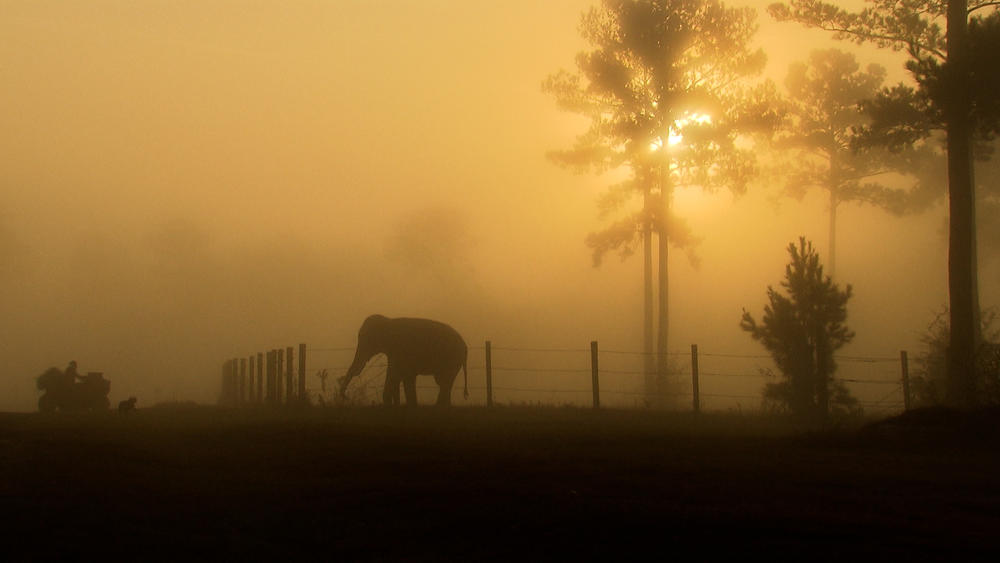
[410,387]
[390,392]
[444,381]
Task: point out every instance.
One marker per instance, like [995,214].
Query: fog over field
[186,182]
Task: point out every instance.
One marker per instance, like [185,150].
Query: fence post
[224,393]
[302,373]
[694,379]
[266,365]
[289,376]
[230,383]
[234,381]
[905,363]
[489,373]
[594,382]
[260,377]
[251,382]
[280,373]
[243,381]
[270,377]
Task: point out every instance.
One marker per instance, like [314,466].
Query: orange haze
[186,181]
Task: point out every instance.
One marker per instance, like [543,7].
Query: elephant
[413,347]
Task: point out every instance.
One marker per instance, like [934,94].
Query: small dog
[128,405]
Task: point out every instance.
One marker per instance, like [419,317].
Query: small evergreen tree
[802,331]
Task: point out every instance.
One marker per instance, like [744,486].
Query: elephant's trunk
[360,359]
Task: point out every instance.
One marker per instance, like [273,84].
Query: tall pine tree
[655,72]
[818,139]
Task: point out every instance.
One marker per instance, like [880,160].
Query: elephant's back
[429,335]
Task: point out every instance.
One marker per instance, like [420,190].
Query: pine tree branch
[867,175]
[864,26]
[912,47]
[981,6]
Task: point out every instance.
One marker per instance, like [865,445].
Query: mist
[187,182]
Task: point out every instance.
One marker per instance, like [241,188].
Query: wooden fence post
[594,381]
[260,377]
[243,382]
[279,371]
[270,377]
[289,376]
[905,364]
[694,379]
[224,391]
[234,381]
[251,381]
[302,373]
[489,373]
[230,382]
[266,365]
[275,378]
[234,367]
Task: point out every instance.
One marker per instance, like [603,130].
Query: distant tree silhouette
[958,91]
[802,331]
[819,135]
[653,70]
[68,391]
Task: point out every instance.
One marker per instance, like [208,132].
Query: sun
[677,130]
[676,134]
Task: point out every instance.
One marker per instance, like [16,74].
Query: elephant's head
[371,341]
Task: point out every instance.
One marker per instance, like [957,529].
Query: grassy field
[472,484]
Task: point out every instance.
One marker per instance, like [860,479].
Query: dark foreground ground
[508,484]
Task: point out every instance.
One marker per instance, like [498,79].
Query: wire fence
[565,376]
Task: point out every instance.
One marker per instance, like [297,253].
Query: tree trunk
[822,375]
[833,234]
[663,239]
[648,365]
[664,319]
[962,275]
[834,202]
